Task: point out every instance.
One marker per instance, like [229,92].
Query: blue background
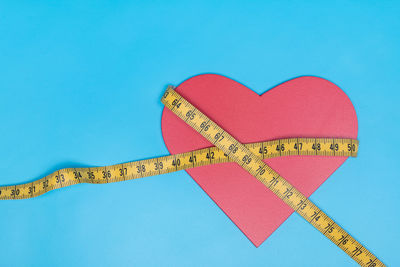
[80,85]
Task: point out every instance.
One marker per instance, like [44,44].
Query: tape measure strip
[172,163]
[271,179]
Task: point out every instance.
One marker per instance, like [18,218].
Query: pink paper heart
[301,107]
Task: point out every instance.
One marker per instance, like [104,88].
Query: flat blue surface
[80,85]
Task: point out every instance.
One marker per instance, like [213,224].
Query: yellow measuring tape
[161,165]
[226,149]
[253,163]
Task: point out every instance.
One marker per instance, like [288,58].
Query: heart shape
[301,107]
